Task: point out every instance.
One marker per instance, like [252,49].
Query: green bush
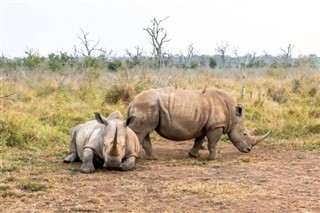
[114,65]
[194,64]
[57,62]
[212,63]
[33,61]
[90,62]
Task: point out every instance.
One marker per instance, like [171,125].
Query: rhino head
[114,141]
[238,133]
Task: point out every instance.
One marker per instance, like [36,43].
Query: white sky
[50,26]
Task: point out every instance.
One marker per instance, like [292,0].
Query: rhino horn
[114,150]
[260,138]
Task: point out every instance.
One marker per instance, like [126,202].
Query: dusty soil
[266,180]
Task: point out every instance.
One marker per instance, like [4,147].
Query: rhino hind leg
[73,156]
[147,146]
[194,152]
[213,137]
[87,161]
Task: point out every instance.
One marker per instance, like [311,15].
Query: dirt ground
[265,180]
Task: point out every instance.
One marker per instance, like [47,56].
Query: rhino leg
[73,156]
[147,146]
[194,152]
[213,137]
[129,163]
[87,161]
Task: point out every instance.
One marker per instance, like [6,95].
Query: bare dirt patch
[266,180]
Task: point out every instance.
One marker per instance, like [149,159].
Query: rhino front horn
[258,139]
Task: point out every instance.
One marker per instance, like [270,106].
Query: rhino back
[186,114]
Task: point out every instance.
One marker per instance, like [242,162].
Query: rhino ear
[239,110]
[100,118]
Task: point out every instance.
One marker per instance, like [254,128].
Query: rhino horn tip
[261,138]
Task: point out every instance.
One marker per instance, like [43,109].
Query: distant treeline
[60,61]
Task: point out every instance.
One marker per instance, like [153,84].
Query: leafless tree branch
[86,42]
[221,50]
[158,37]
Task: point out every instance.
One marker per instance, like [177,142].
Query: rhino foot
[152,157]
[125,168]
[194,155]
[212,157]
[87,168]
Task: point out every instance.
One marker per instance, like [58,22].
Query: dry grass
[34,137]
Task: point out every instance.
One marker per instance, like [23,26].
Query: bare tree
[185,59]
[87,43]
[30,52]
[158,36]
[105,53]
[221,50]
[287,54]
[135,57]
[253,57]
[235,52]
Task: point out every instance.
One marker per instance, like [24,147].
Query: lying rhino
[104,141]
[185,114]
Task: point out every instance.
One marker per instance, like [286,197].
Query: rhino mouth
[245,149]
[112,165]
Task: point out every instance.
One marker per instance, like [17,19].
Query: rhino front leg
[129,163]
[213,137]
[87,161]
[146,145]
[194,152]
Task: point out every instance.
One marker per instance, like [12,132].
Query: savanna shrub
[114,65]
[194,64]
[117,93]
[33,61]
[278,94]
[57,62]
[277,72]
[312,92]
[90,62]
[212,63]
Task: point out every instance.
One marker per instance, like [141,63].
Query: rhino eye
[245,134]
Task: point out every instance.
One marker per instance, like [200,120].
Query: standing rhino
[104,141]
[185,114]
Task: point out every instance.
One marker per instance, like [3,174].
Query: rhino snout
[112,164]
[246,149]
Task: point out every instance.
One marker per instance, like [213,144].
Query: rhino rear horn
[260,138]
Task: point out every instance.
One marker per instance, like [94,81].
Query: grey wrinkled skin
[104,142]
[186,114]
